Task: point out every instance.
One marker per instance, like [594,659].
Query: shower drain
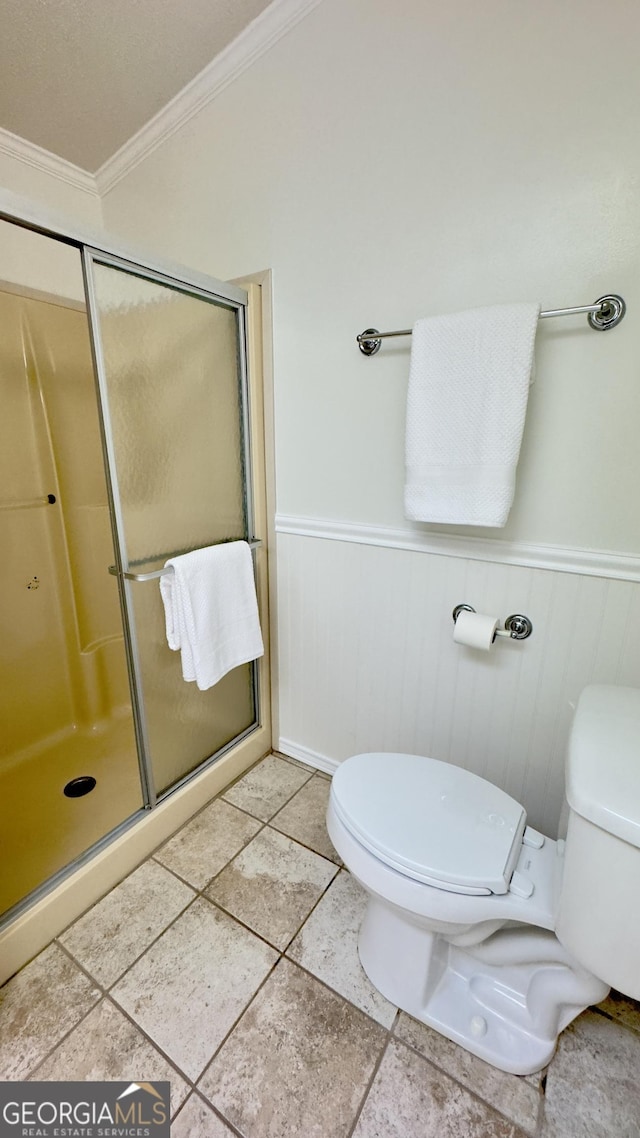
[80,786]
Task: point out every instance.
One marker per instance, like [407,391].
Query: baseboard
[305,755]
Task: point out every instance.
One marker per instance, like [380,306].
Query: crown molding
[27,152]
[269,27]
[586,562]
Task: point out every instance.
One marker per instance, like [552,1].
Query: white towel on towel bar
[211,611]
[466,405]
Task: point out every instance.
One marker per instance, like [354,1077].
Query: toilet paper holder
[516,626]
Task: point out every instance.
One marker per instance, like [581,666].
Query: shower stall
[124,440]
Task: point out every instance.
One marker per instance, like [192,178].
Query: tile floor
[227,964]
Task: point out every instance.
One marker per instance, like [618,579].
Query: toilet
[480,926]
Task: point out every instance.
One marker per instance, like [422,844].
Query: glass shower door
[171,371]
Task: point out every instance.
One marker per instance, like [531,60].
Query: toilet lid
[430,820]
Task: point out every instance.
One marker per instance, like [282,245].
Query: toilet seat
[431,821]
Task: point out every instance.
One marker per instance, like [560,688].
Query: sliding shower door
[171,368]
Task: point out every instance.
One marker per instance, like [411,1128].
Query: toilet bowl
[490,932]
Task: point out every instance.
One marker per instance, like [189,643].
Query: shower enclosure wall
[100,485]
[64,696]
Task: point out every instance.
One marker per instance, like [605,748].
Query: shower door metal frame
[95,247]
[90,256]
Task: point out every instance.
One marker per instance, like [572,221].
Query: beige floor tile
[272,885]
[38,1007]
[296,762]
[204,846]
[196,1120]
[622,1008]
[108,938]
[267,787]
[411,1099]
[298,1062]
[593,1083]
[327,945]
[192,984]
[304,818]
[516,1097]
[106,1045]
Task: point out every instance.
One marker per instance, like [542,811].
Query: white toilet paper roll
[475,629]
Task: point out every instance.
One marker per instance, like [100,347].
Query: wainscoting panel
[367,660]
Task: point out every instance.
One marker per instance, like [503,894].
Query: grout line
[374,1074]
[466,1087]
[311,849]
[93,905]
[277,810]
[335,992]
[294,762]
[612,1019]
[214,1110]
[259,936]
[272,823]
[106,996]
[541,1117]
[155,1045]
[316,979]
[64,1037]
[303,845]
[216,797]
[235,1023]
[312,910]
[81,967]
[210,880]
[133,962]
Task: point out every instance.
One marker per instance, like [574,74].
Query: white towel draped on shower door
[211,611]
[466,406]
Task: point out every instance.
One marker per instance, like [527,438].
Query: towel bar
[155,573]
[604,314]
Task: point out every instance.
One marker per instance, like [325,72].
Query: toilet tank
[598,918]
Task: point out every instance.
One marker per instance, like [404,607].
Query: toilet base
[506,999]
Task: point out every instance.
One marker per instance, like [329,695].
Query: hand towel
[466,406]
[211,611]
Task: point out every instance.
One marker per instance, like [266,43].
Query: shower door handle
[156,573]
[113,569]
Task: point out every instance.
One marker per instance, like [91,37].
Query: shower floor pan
[45,830]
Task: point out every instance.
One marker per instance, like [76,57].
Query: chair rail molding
[586,562]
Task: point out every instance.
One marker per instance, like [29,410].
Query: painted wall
[390,161]
[28,260]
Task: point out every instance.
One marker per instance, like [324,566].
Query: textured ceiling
[79,77]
